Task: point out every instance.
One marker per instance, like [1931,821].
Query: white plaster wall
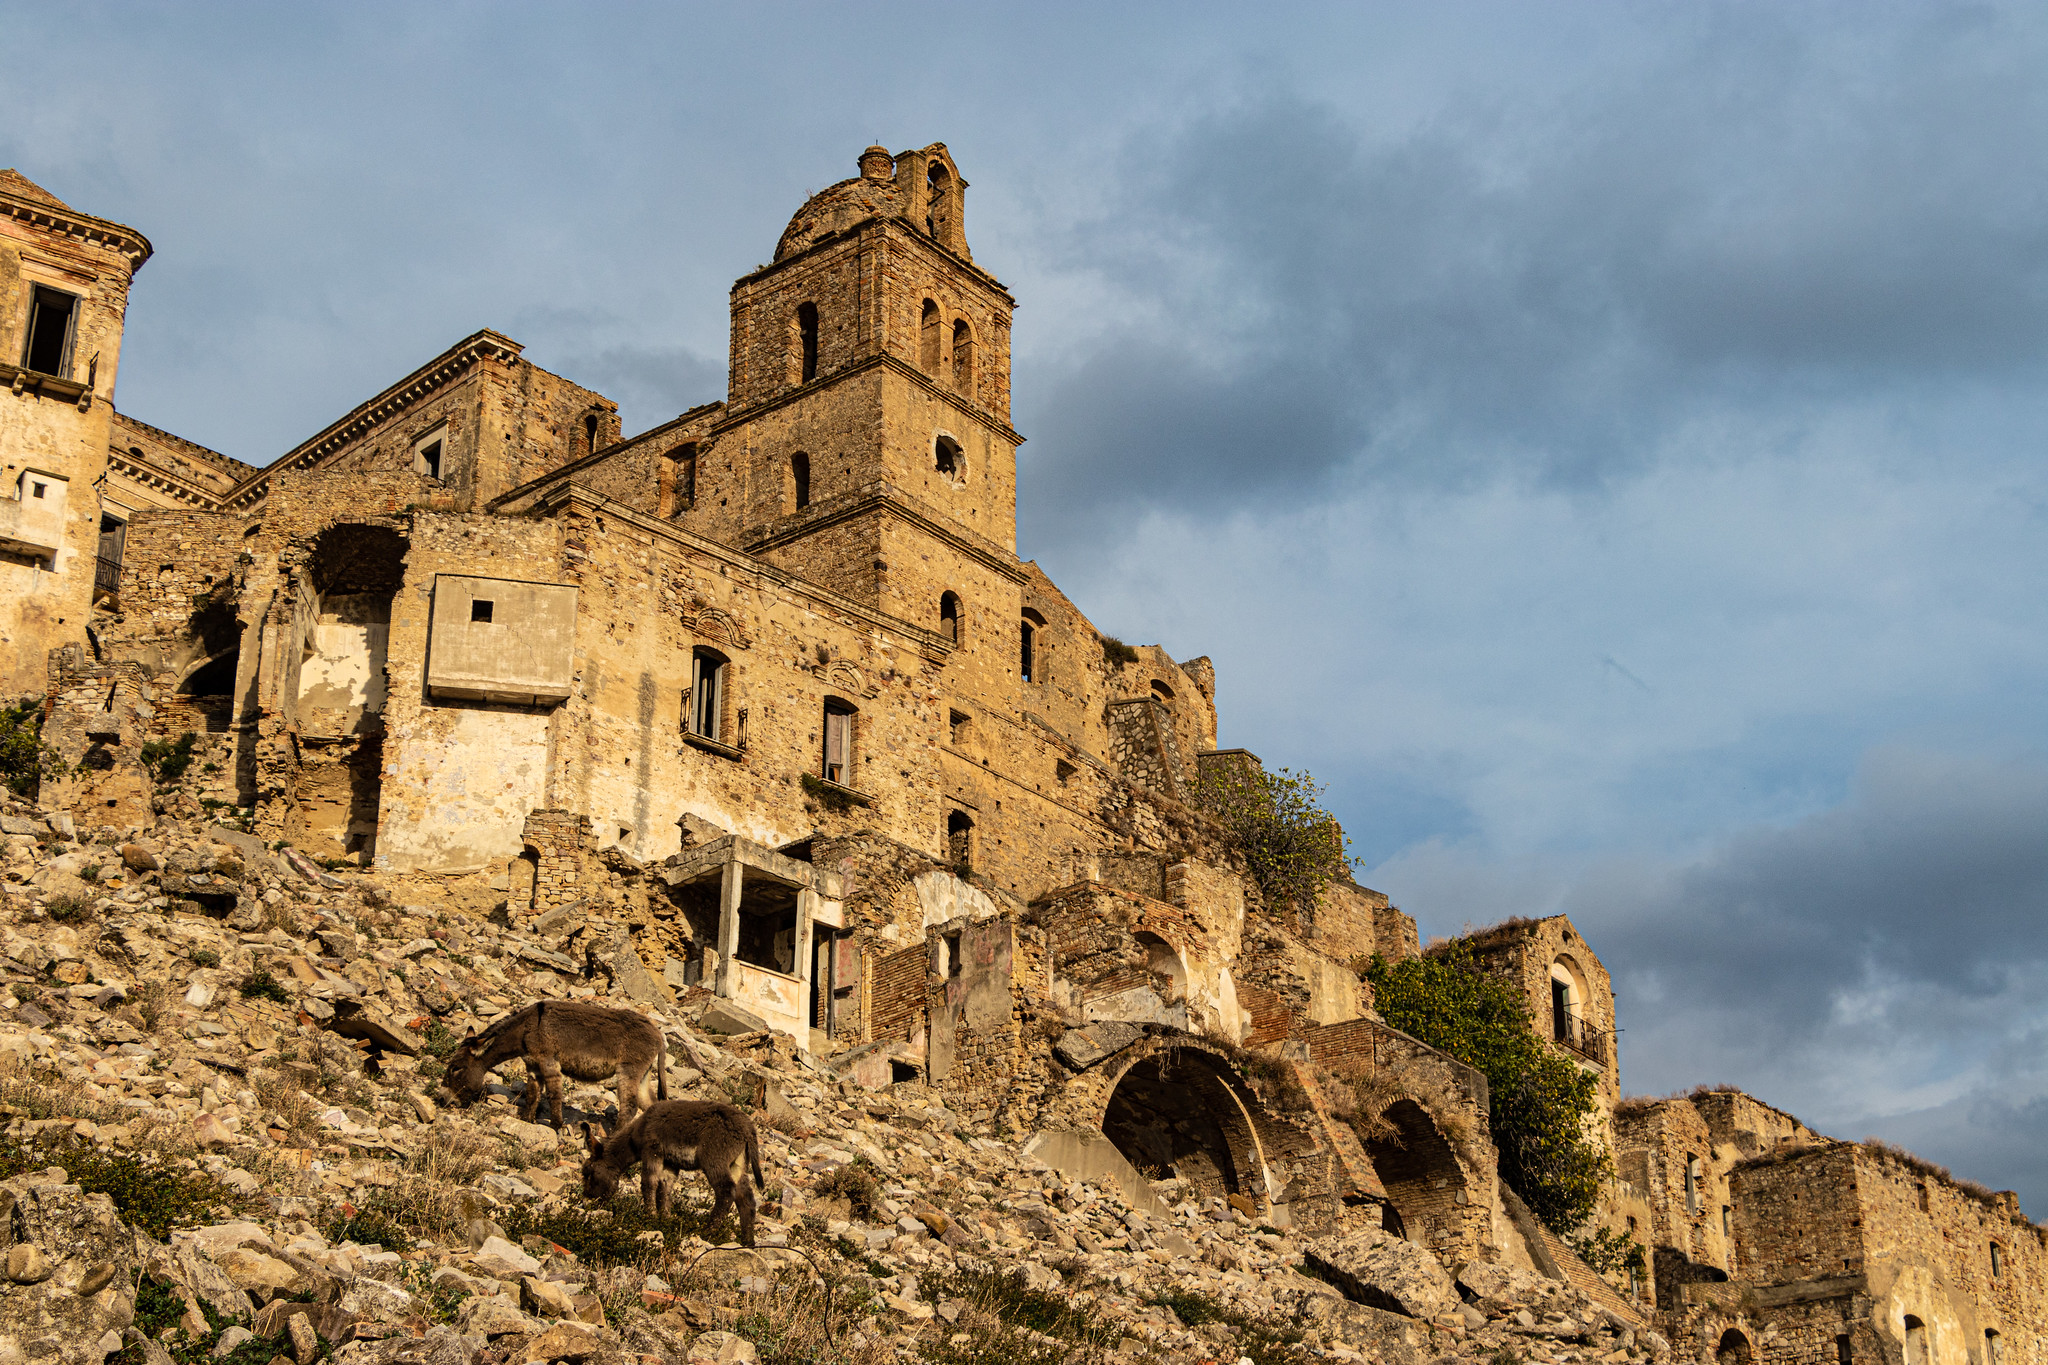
[457,788]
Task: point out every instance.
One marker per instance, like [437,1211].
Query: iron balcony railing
[1586,1040]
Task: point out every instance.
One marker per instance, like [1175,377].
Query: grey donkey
[589,1042]
[681,1135]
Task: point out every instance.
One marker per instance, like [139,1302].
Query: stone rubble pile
[187,994]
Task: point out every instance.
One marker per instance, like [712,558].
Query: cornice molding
[879,360]
[880,224]
[436,374]
[886,497]
[154,476]
[81,226]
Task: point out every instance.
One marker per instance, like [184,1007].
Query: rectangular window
[707,696]
[52,321]
[428,452]
[838,744]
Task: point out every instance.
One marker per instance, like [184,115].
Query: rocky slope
[226,1140]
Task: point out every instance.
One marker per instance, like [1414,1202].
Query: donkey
[589,1042]
[681,1135]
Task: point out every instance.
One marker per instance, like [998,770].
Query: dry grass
[788,1322]
[1360,1094]
[155,1002]
[297,1112]
[456,1154]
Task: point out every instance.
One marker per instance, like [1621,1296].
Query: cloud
[1767,215]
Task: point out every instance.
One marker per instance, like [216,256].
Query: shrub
[610,1234]
[68,909]
[260,984]
[1540,1101]
[204,957]
[167,760]
[24,759]
[1116,653]
[1292,846]
[853,1182]
[149,1194]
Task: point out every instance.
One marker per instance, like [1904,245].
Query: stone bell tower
[867,443]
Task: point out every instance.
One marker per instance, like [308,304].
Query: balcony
[1583,1040]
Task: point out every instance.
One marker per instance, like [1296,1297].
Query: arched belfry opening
[938,217]
[805,350]
[928,338]
[1179,1112]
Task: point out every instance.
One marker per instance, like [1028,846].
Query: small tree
[1291,845]
[1540,1101]
[24,759]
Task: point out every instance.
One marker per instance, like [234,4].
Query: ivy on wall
[1541,1103]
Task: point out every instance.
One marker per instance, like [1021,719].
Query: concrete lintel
[695,862]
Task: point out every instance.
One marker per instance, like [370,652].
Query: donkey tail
[754,1157]
[661,1076]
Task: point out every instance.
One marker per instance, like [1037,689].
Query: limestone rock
[495,1317]
[630,976]
[72,1234]
[721,1348]
[26,1263]
[1082,1048]
[1500,1290]
[545,1299]
[724,1017]
[257,1273]
[1386,1272]
[507,1262]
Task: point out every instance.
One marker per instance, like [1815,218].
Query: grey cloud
[1753,220]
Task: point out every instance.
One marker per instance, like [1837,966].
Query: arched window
[963,357]
[590,433]
[949,459]
[1025,633]
[1734,1349]
[707,695]
[676,490]
[960,839]
[1994,1347]
[838,762]
[949,617]
[1692,1183]
[1162,961]
[938,201]
[928,339]
[1028,643]
[1916,1342]
[1162,691]
[800,480]
[806,342]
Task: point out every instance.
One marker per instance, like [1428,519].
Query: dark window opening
[928,339]
[590,432]
[901,1073]
[1997,1260]
[1024,665]
[1727,1221]
[1692,1183]
[707,695]
[52,318]
[963,356]
[1734,1349]
[1994,1347]
[430,459]
[957,724]
[36,490]
[937,182]
[807,342]
[1916,1341]
[1560,1010]
[767,926]
[838,743]
[948,458]
[480,610]
[800,478]
[953,963]
[949,617]
[677,491]
[960,838]
[1162,691]
[1062,770]
[214,678]
[1842,1355]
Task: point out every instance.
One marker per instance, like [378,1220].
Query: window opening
[1062,770]
[948,458]
[1024,651]
[37,489]
[707,694]
[1734,1349]
[1692,1183]
[958,722]
[960,838]
[1842,1356]
[800,478]
[1162,691]
[426,456]
[1727,1221]
[963,356]
[1997,1259]
[590,432]
[949,617]
[901,1073]
[677,491]
[953,963]
[767,927]
[1994,1347]
[935,215]
[52,319]
[480,609]
[807,342]
[1916,1341]
[838,742]
[928,339]
[1560,1010]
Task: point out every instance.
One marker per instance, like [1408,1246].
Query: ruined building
[769,687]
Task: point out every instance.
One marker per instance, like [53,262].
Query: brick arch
[1177,1103]
[1427,1186]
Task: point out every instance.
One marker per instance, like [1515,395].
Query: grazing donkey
[589,1042]
[681,1135]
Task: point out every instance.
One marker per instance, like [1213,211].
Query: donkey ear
[594,1136]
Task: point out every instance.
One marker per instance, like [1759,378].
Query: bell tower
[867,426]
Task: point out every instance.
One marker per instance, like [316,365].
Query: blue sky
[1601,442]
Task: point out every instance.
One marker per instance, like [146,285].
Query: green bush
[1291,845]
[1116,653]
[853,1181]
[260,984]
[204,957]
[1540,1101]
[167,760]
[24,759]
[609,1234]
[149,1194]
[68,909]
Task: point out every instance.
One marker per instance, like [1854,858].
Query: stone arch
[1427,1188]
[1164,960]
[1175,1105]
[1734,1348]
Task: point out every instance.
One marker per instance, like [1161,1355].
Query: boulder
[500,1258]
[256,1273]
[564,1341]
[724,1017]
[439,1346]
[1082,1048]
[377,1301]
[1385,1272]
[496,1316]
[1499,1291]
[545,1298]
[721,1348]
[630,976]
[356,1019]
[73,1235]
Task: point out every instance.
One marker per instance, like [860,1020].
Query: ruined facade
[768,690]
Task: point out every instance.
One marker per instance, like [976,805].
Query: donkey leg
[651,1184]
[529,1098]
[721,1193]
[745,1188]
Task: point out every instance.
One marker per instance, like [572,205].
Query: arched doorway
[1734,1349]
[1178,1112]
[1424,1183]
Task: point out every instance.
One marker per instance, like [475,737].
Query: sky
[1600,442]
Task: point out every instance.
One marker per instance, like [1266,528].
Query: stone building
[763,707]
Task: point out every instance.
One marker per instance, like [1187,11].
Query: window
[1162,691]
[1997,1259]
[949,459]
[1994,1347]
[428,452]
[1727,1221]
[960,839]
[36,490]
[590,433]
[950,946]
[1916,1342]
[1024,643]
[963,357]
[480,609]
[1692,1183]
[1842,1356]
[806,342]
[957,724]
[677,490]
[937,201]
[838,765]
[1062,770]
[800,480]
[52,320]
[949,617]
[707,695]
[928,339]
[1560,1010]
